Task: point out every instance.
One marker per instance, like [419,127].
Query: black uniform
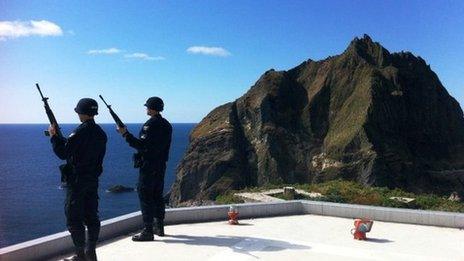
[84,150]
[153,144]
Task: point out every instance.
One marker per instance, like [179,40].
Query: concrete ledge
[398,215]
[37,249]
[255,210]
[60,243]
[247,210]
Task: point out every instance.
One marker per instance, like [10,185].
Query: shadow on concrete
[243,245]
[379,240]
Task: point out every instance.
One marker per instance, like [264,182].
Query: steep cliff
[365,115]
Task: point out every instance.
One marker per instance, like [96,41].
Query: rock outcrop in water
[367,115]
[119,189]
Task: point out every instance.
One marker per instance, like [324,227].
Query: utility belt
[139,159]
[68,176]
[69,173]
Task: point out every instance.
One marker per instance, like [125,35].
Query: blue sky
[152,39]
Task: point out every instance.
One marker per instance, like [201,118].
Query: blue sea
[31,202]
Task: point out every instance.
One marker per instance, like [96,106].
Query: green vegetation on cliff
[340,191]
[367,115]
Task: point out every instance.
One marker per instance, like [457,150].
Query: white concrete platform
[300,237]
[58,244]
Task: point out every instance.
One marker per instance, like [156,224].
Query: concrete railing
[60,243]
[397,215]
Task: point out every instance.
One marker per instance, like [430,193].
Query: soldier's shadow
[239,244]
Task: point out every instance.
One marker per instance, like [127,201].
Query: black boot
[159,227]
[146,235]
[90,252]
[80,255]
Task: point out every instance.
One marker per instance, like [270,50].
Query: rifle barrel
[113,114]
[49,112]
[101,97]
[38,88]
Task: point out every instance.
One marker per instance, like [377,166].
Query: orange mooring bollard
[233,215]
[361,227]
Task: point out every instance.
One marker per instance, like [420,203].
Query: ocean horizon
[31,200]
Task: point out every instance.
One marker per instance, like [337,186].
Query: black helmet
[155,103]
[87,106]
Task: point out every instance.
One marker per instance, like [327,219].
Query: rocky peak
[370,51]
[365,115]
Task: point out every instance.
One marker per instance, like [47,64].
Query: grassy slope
[354,193]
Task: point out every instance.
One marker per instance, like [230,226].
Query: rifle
[113,114]
[65,169]
[50,115]
[137,158]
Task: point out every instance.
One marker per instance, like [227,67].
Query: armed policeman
[83,151]
[152,147]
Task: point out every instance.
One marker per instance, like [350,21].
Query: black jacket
[84,149]
[154,139]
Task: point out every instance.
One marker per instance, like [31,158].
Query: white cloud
[209,50]
[111,50]
[15,29]
[144,56]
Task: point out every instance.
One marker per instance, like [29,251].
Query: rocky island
[119,189]
[366,115]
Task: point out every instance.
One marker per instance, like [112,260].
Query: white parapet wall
[397,215]
[60,243]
